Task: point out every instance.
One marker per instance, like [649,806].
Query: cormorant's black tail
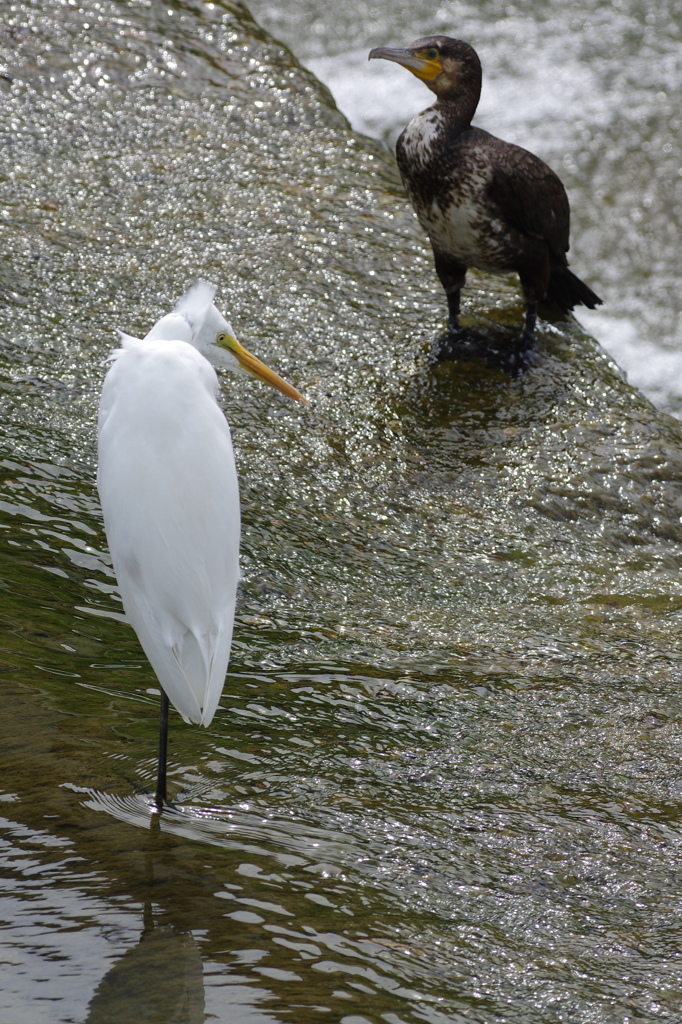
[565,290]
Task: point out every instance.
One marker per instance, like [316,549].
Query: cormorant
[483,202]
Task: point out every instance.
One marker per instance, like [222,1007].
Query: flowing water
[444,783]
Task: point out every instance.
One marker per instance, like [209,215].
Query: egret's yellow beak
[426,68]
[256,368]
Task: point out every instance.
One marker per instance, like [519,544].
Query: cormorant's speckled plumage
[483,202]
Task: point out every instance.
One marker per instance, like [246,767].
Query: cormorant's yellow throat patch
[430,67]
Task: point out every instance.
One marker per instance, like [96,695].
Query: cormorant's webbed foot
[514,355]
[517,354]
[459,343]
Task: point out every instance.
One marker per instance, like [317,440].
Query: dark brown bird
[483,202]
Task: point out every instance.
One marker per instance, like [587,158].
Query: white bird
[168,488]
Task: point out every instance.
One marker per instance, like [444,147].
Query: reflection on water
[158,981]
[444,781]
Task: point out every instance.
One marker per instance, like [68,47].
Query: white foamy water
[595,91]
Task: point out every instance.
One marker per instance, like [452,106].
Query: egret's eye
[225,340]
[432,53]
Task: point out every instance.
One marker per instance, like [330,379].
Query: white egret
[169,493]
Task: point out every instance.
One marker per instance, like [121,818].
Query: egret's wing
[169,494]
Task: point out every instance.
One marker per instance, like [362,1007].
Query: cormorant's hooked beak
[426,68]
[253,365]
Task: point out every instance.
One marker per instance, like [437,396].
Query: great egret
[169,493]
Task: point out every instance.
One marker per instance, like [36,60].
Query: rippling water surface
[444,782]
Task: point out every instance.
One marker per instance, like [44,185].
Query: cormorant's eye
[432,53]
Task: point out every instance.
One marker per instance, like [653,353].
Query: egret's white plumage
[197,321]
[169,493]
[168,488]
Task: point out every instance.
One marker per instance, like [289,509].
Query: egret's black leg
[161,797]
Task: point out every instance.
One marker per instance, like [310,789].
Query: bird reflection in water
[160,980]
